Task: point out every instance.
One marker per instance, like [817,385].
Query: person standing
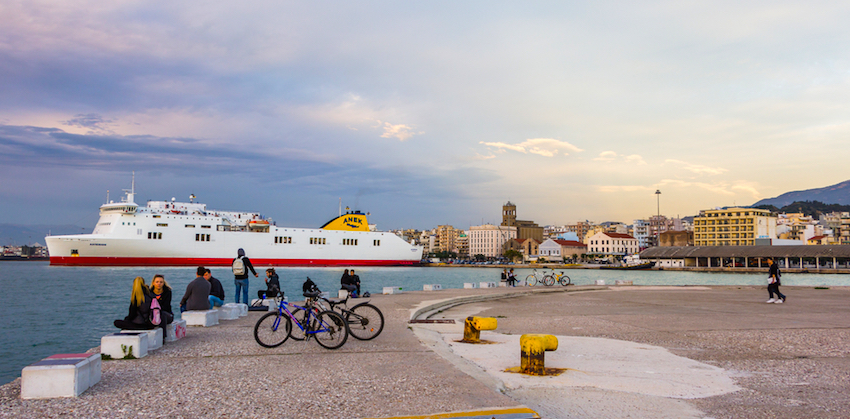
[773,276]
[241,265]
[216,290]
[197,293]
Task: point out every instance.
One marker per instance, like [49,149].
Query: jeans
[242,284]
[215,301]
[774,288]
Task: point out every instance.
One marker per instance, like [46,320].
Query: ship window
[376,242]
[161,225]
[157,216]
[190,226]
[159,236]
[205,226]
[202,237]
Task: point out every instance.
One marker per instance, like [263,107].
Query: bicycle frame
[309,309]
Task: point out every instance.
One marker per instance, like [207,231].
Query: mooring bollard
[474,325]
[532,349]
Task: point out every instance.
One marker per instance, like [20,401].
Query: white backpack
[239,266]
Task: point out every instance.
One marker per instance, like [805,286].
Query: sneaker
[772,300]
[778,302]
[783,299]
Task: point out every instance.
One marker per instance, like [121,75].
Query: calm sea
[58,309]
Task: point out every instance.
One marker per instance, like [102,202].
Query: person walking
[241,265]
[773,283]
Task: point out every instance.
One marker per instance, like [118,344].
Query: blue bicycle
[329,328]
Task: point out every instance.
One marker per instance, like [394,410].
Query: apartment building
[446,239]
[489,239]
[616,244]
[733,226]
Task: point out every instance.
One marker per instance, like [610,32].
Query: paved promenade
[762,360]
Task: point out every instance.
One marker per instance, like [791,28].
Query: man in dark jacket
[216,290]
[241,264]
[197,293]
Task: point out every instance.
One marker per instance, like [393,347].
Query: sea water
[59,309]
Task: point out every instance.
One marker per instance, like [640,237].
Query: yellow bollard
[474,325]
[532,349]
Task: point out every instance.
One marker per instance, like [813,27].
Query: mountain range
[17,234]
[835,194]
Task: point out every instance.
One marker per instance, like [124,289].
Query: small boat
[630,267]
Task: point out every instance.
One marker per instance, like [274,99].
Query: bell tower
[509,215]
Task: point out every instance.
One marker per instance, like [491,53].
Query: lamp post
[658,218]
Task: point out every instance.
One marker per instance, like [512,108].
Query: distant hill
[812,208]
[835,194]
[15,234]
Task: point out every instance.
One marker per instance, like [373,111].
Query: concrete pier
[786,361]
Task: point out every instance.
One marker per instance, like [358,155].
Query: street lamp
[658,219]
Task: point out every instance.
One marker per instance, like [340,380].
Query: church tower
[509,215]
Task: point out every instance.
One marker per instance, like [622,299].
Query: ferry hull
[186,261]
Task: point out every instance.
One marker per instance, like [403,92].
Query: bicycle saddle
[314,294]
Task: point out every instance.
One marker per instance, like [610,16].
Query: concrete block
[154,337]
[119,345]
[342,294]
[176,330]
[228,313]
[469,285]
[487,285]
[392,290]
[432,287]
[622,282]
[243,308]
[202,318]
[64,375]
[600,282]
[503,284]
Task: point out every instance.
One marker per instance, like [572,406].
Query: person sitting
[161,292]
[216,290]
[355,280]
[511,278]
[272,285]
[347,283]
[197,293]
[139,315]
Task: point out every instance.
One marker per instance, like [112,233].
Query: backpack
[239,266]
[156,314]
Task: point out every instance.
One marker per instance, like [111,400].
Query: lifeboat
[258,224]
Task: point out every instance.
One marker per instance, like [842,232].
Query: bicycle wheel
[331,331]
[365,322]
[272,330]
[531,280]
[564,280]
[299,316]
[548,280]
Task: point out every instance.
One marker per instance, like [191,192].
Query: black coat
[140,315]
[164,299]
[216,289]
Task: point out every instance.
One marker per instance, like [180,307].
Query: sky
[421,113]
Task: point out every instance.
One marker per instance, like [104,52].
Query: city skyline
[422,114]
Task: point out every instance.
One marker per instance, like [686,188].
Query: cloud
[546,147]
[400,131]
[697,168]
[719,188]
[610,156]
[747,187]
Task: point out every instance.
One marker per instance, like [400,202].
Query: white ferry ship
[173,233]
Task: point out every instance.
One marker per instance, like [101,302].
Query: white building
[559,250]
[616,244]
[489,239]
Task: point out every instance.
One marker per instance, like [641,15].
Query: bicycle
[533,279]
[561,278]
[328,327]
[365,321]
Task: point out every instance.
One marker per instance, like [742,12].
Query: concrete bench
[242,308]
[125,345]
[623,282]
[228,313]
[202,318]
[176,330]
[62,375]
[600,282]
[487,285]
[503,283]
[432,287]
[154,337]
[469,285]
[342,294]
[392,290]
